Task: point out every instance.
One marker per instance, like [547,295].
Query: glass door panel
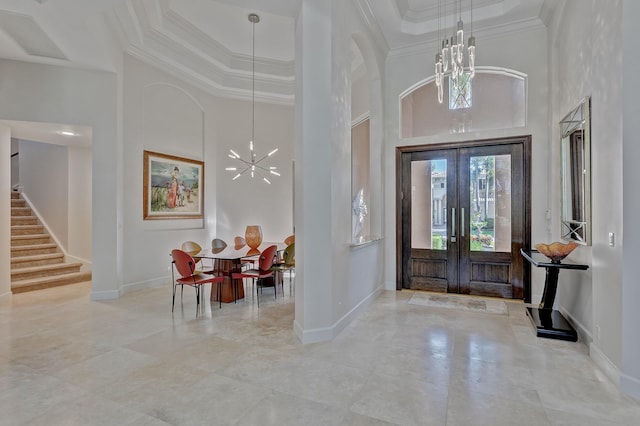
[490,203]
[429,204]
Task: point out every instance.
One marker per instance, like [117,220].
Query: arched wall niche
[498,101]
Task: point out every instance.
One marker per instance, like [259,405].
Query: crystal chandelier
[450,60]
[253,164]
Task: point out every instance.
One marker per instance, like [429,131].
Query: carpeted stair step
[28,250]
[36,260]
[24,220]
[43,271]
[27,229]
[49,281]
[21,211]
[24,240]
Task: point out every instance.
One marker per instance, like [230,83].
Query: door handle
[462,222]
[453,225]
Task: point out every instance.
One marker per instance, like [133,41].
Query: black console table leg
[550,288]
[547,322]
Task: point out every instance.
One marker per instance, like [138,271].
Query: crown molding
[153,33]
[487,33]
[369,18]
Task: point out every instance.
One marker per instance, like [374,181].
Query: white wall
[5,213]
[406,68]
[585,64]
[44,177]
[14,162]
[166,115]
[80,201]
[630,333]
[247,201]
[45,93]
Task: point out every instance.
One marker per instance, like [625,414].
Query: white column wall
[406,68]
[5,213]
[333,280]
[630,368]
[314,309]
[80,201]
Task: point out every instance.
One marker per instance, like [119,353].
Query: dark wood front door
[463,216]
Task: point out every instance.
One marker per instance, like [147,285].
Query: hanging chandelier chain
[252,165]
[253,81]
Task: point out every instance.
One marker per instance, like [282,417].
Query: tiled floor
[65,360]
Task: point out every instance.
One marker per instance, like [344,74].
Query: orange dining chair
[290,240]
[249,262]
[239,242]
[185,264]
[193,248]
[265,262]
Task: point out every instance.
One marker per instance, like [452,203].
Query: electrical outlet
[612,239]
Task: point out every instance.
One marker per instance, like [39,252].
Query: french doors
[463,216]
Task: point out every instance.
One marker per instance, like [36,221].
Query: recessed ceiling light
[67,133]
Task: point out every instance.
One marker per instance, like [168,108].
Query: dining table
[230,259]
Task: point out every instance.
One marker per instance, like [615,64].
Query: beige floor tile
[65,359]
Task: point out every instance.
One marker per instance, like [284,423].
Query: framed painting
[173,187]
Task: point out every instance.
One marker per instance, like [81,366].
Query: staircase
[36,261]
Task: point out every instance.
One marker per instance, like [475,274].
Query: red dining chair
[265,262]
[185,264]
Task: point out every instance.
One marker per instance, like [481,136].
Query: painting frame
[172,187]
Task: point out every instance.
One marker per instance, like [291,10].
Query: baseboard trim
[584,335]
[6,297]
[141,285]
[630,385]
[329,333]
[105,295]
[604,363]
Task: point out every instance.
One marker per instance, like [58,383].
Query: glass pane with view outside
[490,203]
[429,204]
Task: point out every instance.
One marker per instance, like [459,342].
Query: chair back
[267,257]
[217,245]
[290,240]
[239,242]
[185,264]
[289,255]
[191,247]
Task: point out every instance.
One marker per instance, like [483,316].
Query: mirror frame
[575,145]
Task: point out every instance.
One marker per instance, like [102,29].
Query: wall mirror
[576,174]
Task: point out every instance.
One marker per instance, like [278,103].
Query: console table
[547,321]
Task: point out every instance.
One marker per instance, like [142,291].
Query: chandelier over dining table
[253,164]
[450,60]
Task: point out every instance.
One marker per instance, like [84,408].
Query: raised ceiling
[209,42]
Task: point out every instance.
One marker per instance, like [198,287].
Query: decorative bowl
[556,251]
